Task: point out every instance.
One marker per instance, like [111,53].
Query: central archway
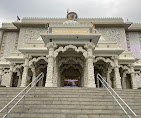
[71,77]
[70,68]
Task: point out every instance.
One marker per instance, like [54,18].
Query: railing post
[35,87]
[42,82]
[7,111]
[113,102]
[23,101]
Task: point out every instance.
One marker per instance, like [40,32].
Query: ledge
[71,38]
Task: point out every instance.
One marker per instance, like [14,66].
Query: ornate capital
[132,72]
[12,64]
[92,57]
[89,45]
[116,66]
[11,67]
[27,56]
[116,57]
[132,65]
[51,45]
[50,56]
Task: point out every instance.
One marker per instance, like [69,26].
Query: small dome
[72,16]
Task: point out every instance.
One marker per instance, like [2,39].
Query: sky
[127,9]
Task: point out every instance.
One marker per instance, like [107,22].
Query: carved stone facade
[9,43]
[70,52]
[29,34]
[114,33]
[135,43]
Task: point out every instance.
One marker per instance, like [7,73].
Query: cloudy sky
[9,9]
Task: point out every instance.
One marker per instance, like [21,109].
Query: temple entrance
[71,77]
[70,69]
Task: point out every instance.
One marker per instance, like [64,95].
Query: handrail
[104,82]
[35,81]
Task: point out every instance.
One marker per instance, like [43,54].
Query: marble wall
[5,79]
[134,42]
[9,43]
[29,33]
[114,33]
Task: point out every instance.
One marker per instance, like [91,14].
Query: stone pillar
[85,75]
[55,78]
[10,74]
[49,77]
[59,79]
[117,75]
[90,65]
[133,80]
[108,77]
[34,76]
[82,78]
[19,80]
[1,70]
[25,71]
[124,80]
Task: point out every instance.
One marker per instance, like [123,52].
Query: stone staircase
[70,103]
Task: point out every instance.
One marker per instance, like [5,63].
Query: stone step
[74,89]
[83,106]
[70,92]
[76,102]
[88,109]
[70,95]
[71,98]
[28,106]
[73,111]
[67,115]
[73,102]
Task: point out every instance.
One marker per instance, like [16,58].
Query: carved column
[124,80]
[49,77]
[133,80]
[25,71]
[55,79]
[34,75]
[90,65]
[59,78]
[82,78]
[10,74]
[19,80]
[117,75]
[1,70]
[108,77]
[85,74]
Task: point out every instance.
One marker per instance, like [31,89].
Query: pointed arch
[65,60]
[105,60]
[126,68]
[37,59]
[77,49]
